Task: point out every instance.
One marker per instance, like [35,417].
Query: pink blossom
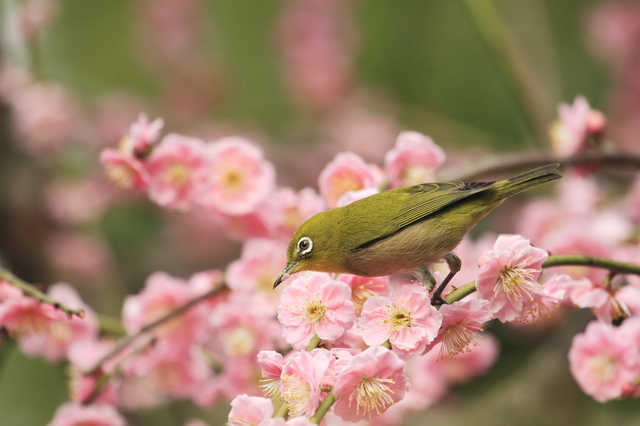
[315,305]
[124,170]
[271,363]
[44,116]
[142,135]
[461,322]
[196,422]
[372,382]
[178,172]
[258,267]
[303,377]
[83,356]
[74,414]
[407,319]
[77,202]
[8,291]
[80,256]
[162,294]
[240,176]
[54,344]
[364,287]
[603,360]
[24,315]
[347,172]
[569,133]
[249,410]
[468,364]
[508,277]
[413,160]
[294,208]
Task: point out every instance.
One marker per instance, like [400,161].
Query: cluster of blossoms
[341,348]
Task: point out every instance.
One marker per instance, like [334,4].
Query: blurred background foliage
[411,64]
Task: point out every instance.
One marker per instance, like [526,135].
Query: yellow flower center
[399,319]
[516,282]
[178,174]
[121,175]
[456,340]
[372,394]
[232,179]
[315,311]
[296,392]
[602,367]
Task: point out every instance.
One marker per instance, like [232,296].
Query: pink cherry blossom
[351,196]
[24,315]
[364,287]
[9,291]
[179,171]
[406,318]
[142,135]
[569,132]
[54,344]
[258,267]
[196,422]
[249,410]
[294,208]
[124,170]
[304,376]
[83,356]
[162,294]
[347,172]
[271,363]
[372,382]
[603,360]
[315,305]
[508,276]
[413,160]
[461,322]
[468,364]
[240,176]
[74,414]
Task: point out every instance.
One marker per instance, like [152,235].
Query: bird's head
[315,246]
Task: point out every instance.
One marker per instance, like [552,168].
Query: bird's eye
[305,245]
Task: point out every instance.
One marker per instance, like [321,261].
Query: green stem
[592,261]
[324,406]
[129,339]
[461,292]
[512,65]
[111,325]
[282,409]
[314,343]
[32,291]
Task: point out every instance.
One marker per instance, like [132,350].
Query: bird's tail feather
[513,185]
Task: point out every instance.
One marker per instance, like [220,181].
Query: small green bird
[401,231]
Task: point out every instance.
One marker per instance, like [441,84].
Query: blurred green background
[426,65]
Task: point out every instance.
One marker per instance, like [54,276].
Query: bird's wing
[425,199]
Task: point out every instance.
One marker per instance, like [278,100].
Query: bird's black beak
[285,273]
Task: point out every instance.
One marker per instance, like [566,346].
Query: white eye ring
[305,245]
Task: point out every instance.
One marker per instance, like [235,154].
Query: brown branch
[511,163]
[129,339]
[32,291]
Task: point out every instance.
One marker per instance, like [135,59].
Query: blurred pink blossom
[24,315]
[347,172]
[79,256]
[142,135]
[406,319]
[413,160]
[74,414]
[83,355]
[73,203]
[179,172]
[569,133]
[603,360]
[315,305]
[351,196]
[125,170]
[241,177]
[53,345]
[468,364]
[315,42]
[293,208]
[258,267]
[371,382]
[249,410]
[35,15]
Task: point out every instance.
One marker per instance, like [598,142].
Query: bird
[402,231]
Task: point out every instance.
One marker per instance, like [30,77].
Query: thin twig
[129,339]
[32,291]
[510,163]
[324,406]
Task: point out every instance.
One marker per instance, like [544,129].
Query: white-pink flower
[249,410]
[347,172]
[461,322]
[603,360]
[315,305]
[575,122]
[508,276]
[258,267]
[74,414]
[142,135]
[413,160]
[271,363]
[304,377]
[240,176]
[371,382]
[178,172]
[364,287]
[406,318]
